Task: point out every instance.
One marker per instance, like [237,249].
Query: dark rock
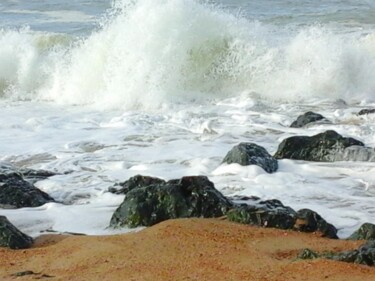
[365,254]
[366,111]
[321,147]
[134,182]
[33,176]
[251,154]
[365,232]
[270,213]
[17,192]
[11,237]
[310,221]
[307,254]
[184,198]
[307,118]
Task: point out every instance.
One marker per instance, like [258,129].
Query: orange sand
[185,249]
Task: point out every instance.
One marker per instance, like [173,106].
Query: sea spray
[146,53]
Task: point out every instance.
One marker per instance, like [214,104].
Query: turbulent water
[107,90]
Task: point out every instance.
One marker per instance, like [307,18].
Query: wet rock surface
[17,193]
[269,213]
[11,237]
[366,111]
[134,182]
[310,221]
[307,118]
[148,204]
[323,147]
[17,190]
[365,255]
[365,232]
[251,154]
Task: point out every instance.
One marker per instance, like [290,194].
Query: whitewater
[99,91]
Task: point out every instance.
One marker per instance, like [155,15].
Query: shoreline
[183,249]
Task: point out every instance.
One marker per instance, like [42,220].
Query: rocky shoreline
[150,201]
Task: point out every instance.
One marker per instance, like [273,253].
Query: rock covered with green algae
[365,232]
[365,255]
[269,213]
[151,200]
[146,205]
[11,237]
[272,213]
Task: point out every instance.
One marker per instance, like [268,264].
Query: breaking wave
[150,52]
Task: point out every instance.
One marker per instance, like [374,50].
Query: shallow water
[165,88]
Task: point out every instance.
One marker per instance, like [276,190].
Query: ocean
[99,91]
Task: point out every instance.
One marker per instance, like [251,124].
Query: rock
[307,254]
[366,111]
[307,118]
[33,176]
[365,254]
[134,182]
[146,205]
[17,193]
[269,213]
[322,147]
[365,232]
[11,237]
[310,221]
[251,154]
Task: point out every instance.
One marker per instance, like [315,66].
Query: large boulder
[148,204]
[308,117]
[322,147]
[11,237]
[269,213]
[15,192]
[365,232]
[251,154]
[310,221]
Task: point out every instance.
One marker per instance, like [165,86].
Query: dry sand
[185,249]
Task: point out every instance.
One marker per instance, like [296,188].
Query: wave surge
[151,52]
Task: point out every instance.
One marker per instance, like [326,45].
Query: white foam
[182,83]
[149,53]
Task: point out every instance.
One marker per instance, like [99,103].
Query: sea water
[99,91]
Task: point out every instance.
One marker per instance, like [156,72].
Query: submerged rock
[366,111]
[323,147]
[365,232]
[307,118]
[17,193]
[156,201]
[310,221]
[251,154]
[269,213]
[11,237]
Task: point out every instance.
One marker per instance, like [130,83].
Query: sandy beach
[184,249]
